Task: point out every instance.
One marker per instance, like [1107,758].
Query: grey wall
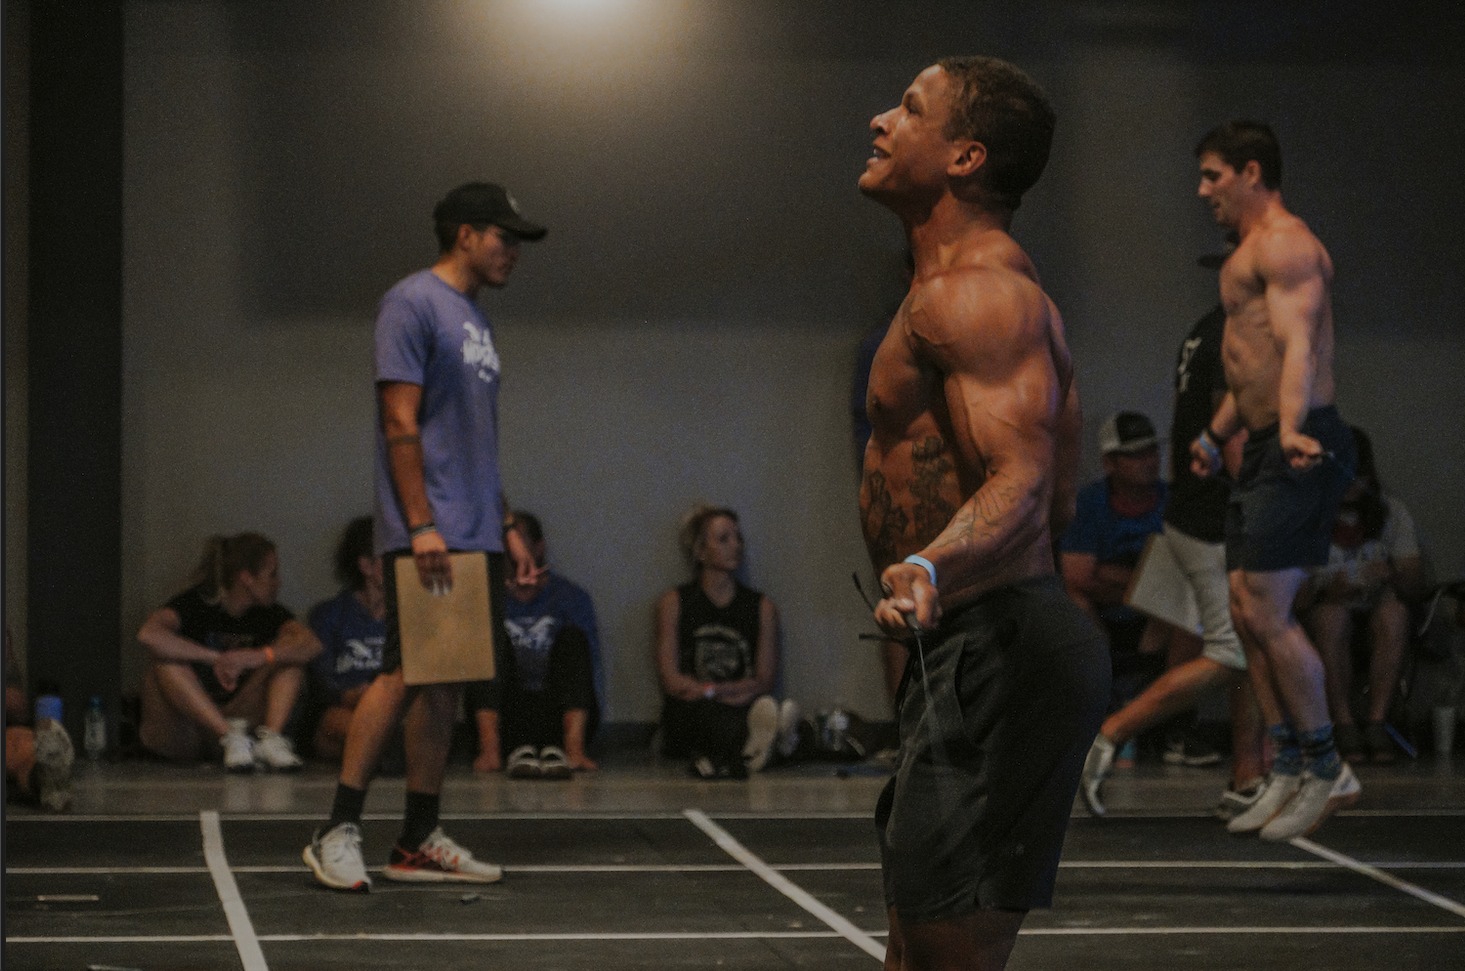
[688,329]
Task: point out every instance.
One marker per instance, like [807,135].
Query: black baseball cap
[1126,431]
[486,202]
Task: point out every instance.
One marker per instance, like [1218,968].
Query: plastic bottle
[95,738]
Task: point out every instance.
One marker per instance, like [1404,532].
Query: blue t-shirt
[533,626]
[351,641]
[429,334]
[1109,537]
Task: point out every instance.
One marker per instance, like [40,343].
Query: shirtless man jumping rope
[1277,349]
[970,468]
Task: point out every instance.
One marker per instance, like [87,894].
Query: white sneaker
[238,747]
[789,718]
[762,729]
[1096,767]
[554,763]
[524,763]
[274,752]
[439,860]
[335,858]
[1277,791]
[54,755]
[1316,800]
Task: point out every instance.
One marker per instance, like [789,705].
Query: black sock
[421,819]
[347,806]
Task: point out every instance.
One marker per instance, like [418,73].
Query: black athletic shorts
[392,648]
[993,734]
[1279,518]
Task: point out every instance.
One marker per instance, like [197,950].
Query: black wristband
[1217,439]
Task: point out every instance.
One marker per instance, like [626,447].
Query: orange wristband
[269,655]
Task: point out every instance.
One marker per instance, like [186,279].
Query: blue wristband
[922,561]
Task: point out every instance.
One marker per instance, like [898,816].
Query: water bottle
[48,706]
[94,740]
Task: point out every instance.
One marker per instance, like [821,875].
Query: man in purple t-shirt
[437,490]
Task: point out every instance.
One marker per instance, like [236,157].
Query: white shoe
[524,763]
[238,747]
[439,860]
[1316,800]
[554,763]
[274,752]
[335,858]
[1277,791]
[762,729]
[789,718]
[1096,767]
[54,755]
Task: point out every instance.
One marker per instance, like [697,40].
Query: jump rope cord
[935,732]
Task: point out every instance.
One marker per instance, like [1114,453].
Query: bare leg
[330,734]
[1248,735]
[1265,601]
[1390,629]
[20,757]
[1331,626]
[282,690]
[178,716]
[372,723]
[489,759]
[1175,691]
[980,941]
[428,732]
[575,721]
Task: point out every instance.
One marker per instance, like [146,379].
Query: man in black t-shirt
[1193,533]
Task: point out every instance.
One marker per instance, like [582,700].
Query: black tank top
[718,643]
[1197,506]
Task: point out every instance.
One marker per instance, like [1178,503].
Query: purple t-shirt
[429,334]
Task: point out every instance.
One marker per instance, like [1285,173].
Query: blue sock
[1288,757]
[1319,752]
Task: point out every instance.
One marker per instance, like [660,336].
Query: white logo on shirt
[478,351]
[1187,351]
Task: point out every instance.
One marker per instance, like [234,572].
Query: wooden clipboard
[448,638]
[1159,587]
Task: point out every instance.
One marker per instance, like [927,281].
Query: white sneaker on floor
[1317,799]
[54,756]
[1096,767]
[789,718]
[439,860]
[554,763]
[1276,793]
[238,747]
[524,763]
[274,752]
[335,858]
[762,730]
[1234,801]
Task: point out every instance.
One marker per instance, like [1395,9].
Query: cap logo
[513,205]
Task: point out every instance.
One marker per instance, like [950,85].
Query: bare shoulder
[1286,249]
[983,314]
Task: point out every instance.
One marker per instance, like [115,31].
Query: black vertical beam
[74,489]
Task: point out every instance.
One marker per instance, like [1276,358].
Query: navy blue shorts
[993,736]
[1280,518]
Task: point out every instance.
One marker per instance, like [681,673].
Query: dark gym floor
[639,866]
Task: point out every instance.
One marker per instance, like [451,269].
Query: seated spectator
[542,708]
[352,629]
[224,656]
[717,658]
[39,754]
[1374,572]
[1114,518]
